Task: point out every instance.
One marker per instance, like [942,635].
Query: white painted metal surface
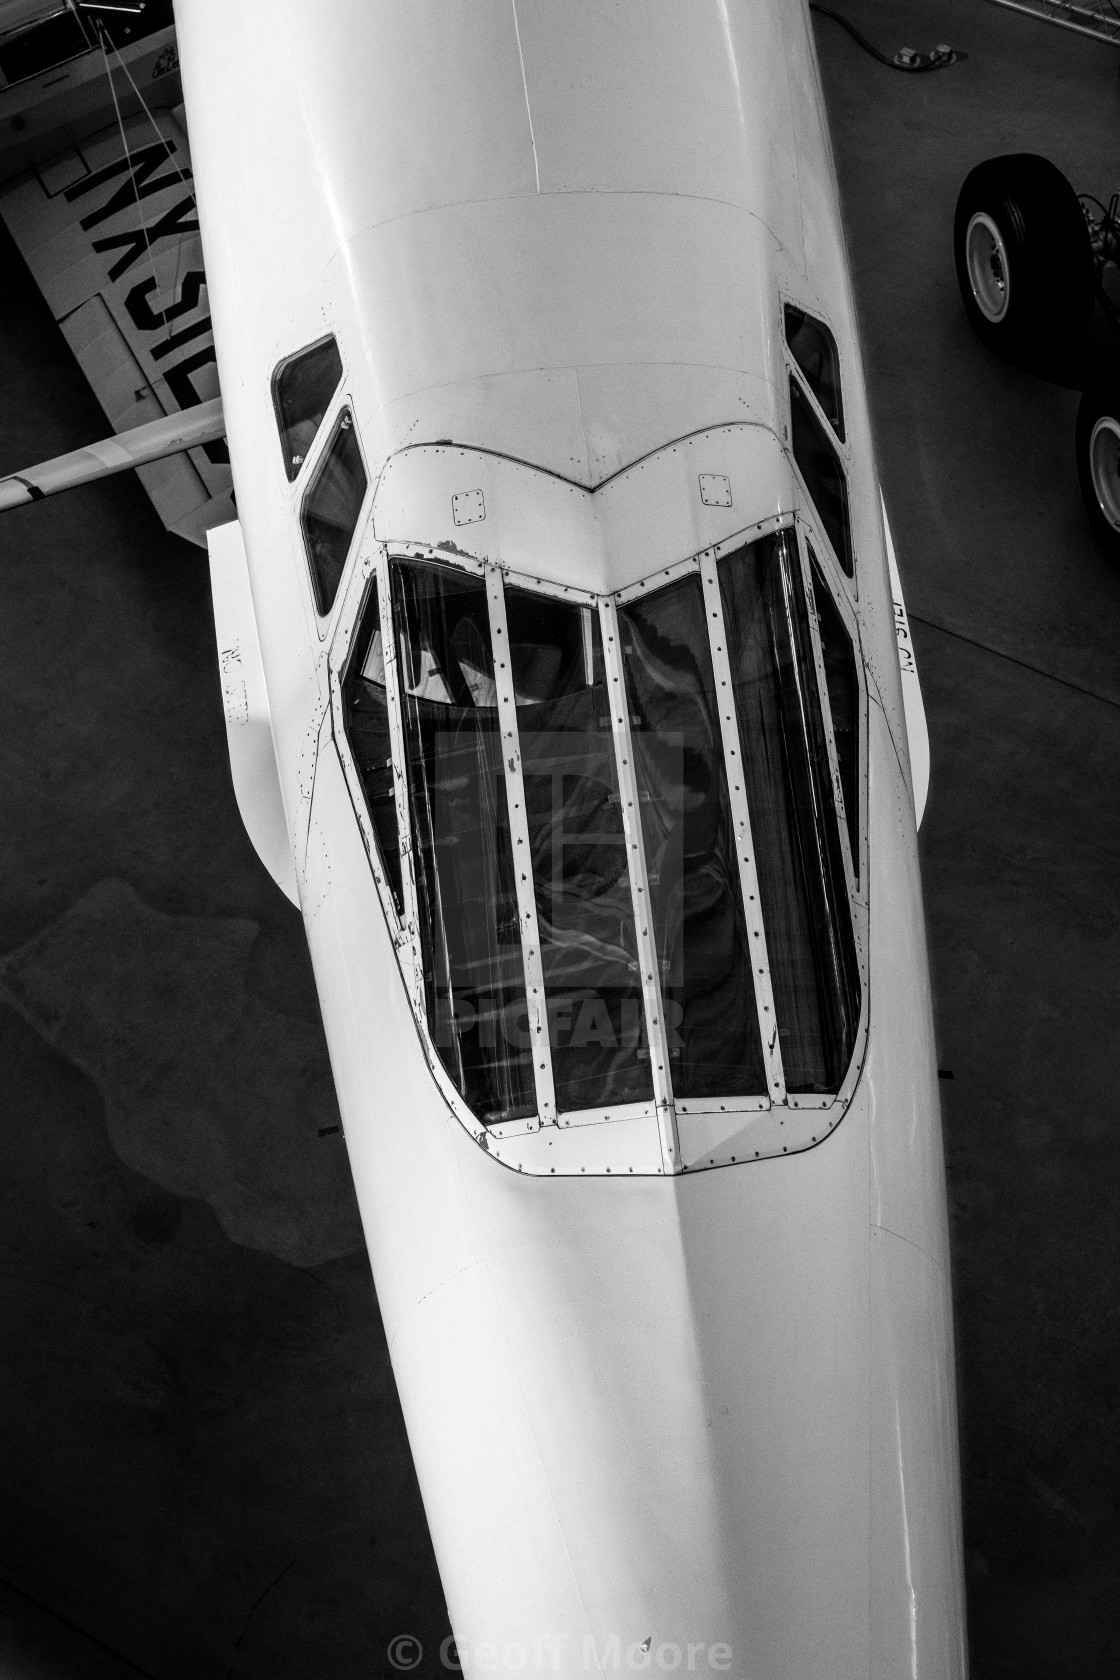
[917,730]
[245,704]
[699,1411]
[136,448]
[111,237]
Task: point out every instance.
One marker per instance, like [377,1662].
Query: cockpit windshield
[585,915]
[466,896]
[633,829]
[701,931]
[796,834]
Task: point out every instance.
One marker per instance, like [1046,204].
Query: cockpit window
[366,713]
[624,876]
[820,467]
[474,976]
[585,916]
[701,934]
[302,388]
[842,682]
[809,934]
[813,348]
[331,508]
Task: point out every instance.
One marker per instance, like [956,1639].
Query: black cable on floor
[938,59]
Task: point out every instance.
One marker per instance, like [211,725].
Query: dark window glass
[474,974]
[125,27]
[842,682]
[805,906]
[813,348]
[585,916]
[302,390]
[701,933]
[366,712]
[330,511]
[46,44]
[823,474]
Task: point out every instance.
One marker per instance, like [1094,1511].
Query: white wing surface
[110,233]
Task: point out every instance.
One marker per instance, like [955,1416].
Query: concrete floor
[1017,615]
[203,1468]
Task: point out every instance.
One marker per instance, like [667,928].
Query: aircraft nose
[675,1389]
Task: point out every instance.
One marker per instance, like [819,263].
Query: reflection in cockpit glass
[809,934]
[366,715]
[584,907]
[558,759]
[302,390]
[701,934]
[823,473]
[330,511]
[814,350]
[842,682]
[474,979]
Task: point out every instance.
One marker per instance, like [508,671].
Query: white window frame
[610,1139]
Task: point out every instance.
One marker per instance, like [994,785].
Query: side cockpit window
[467,907]
[366,712]
[820,467]
[809,936]
[842,685]
[813,348]
[330,510]
[302,388]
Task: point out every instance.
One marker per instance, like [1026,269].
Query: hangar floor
[203,1467]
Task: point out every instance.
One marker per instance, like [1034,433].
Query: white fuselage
[704,1408]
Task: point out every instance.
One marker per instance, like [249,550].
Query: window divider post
[536,1002]
[744,840]
[809,565]
[408,941]
[639,887]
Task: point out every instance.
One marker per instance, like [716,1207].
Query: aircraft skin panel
[609,307]
[252,756]
[648,516]
[906,1179]
[917,1567]
[174,486]
[917,730]
[110,365]
[370,285]
[131,297]
[390,208]
[354,81]
[351,82]
[708,124]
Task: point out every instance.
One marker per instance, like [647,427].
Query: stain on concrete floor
[156,1010]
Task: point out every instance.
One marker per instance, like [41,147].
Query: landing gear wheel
[1024,259]
[1098,457]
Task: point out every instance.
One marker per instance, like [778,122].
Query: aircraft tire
[1098,456]
[1024,259]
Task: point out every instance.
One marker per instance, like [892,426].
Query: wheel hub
[988,269]
[1104,467]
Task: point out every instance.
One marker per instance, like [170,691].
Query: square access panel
[715,490]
